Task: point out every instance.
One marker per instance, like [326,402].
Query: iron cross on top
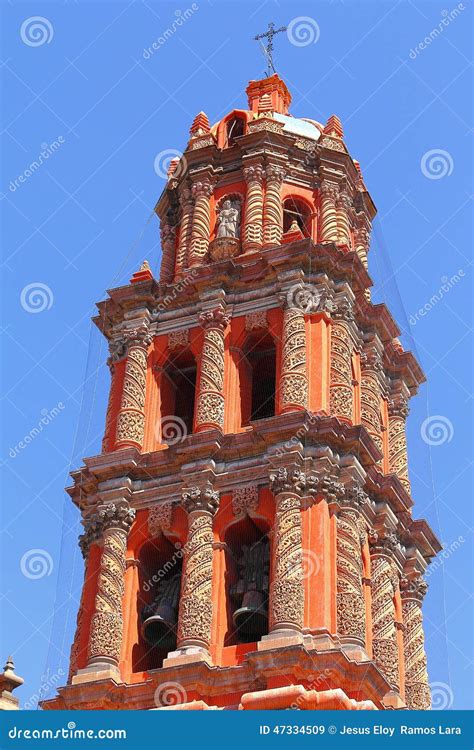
[268,48]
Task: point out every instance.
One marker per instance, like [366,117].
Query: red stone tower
[249,539]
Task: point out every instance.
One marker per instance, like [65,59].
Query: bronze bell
[160,618]
[251,619]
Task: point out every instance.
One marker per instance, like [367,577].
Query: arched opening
[258,378]
[178,395]
[235,127]
[296,215]
[247,581]
[160,567]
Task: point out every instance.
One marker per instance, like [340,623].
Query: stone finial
[9,681]
[143,274]
[200,125]
[334,127]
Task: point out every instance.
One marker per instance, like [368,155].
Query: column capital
[355,497]
[275,173]
[291,480]
[254,173]
[203,499]
[383,542]
[413,588]
[202,188]
[398,405]
[139,336]
[218,319]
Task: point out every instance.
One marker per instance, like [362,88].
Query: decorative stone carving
[177,339]
[294,378]
[384,632]
[228,219]
[341,391]
[333,144]
[168,239]
[371,394]
[183,250]
[117,350]
[202,192]
[105,638]
[273,208]
[159,518]
[256,320]
[287,590]
[417,689]
[131,419]
[265,123]
[397,441]
[253,207]
[245,500]
[195,611]
[344,211]
[328,212]
[210,401]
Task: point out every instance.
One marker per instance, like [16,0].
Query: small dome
[298,126]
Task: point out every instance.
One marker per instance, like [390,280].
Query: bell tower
[249,541]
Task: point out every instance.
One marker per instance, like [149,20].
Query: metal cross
[268,48]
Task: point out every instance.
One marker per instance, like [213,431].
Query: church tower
[249,541]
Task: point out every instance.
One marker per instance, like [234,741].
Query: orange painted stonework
[249,539]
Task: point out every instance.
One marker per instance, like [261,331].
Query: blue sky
[83,92]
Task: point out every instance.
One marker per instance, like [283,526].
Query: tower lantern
[248,529]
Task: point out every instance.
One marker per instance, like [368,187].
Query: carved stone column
[200,235]
[183,250]
[168,252]
[344,210]
[384,582]
[417,689]
[293,375]
[272,207]
[253,234]
[397,440]
[195,609]
[371,394]
[328,212]
[117,350]
[341,390]
[210,398]
[131,418]
[361,244]
[105,640]
[286,610]
[350,593]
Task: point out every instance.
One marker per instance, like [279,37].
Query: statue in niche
[160,617]
[228,219]
[250,592]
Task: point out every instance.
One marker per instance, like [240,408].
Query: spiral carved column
[183,250]
[131,418]
[195,609]
[417,689]
[340,389]
[168,237]
[117,351]
[328,218]
[272,207]
[371,394]
[397,440]
[384,633]
[343,211]
[293,378]
[200,235]
[210,399]
[253,208]
[105,640]
[350,593]
[286,606]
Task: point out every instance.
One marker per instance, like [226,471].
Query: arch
[296,209]
[232,126]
